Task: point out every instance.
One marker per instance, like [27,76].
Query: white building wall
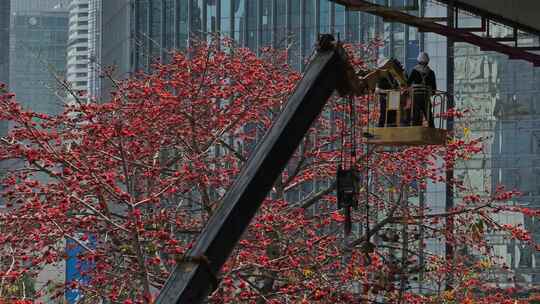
[78,47]
[94,48]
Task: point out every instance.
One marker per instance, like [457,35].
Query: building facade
[38,52]
[117,47]
[502,97]
[78,48]
[5,11]
[4,37]
[94,48]
[38,48]
[84,49]
[147,30]
[500,93]
[37,5]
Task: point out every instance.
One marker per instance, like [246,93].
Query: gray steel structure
[522,14]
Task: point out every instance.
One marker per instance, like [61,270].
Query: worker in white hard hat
[423,82]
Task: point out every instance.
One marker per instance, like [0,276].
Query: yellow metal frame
[404,135]
[407,136]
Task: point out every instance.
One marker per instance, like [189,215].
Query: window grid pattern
[166,24]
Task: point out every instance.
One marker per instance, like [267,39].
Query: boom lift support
[195,277]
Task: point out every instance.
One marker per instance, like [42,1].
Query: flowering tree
[133,180]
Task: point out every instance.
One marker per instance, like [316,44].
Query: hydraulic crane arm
[195,277]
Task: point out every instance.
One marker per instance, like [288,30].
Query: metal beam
[480,29]
[191,280]
[497,18]
[457,35]
[501,39]
[529,48]
[435,19]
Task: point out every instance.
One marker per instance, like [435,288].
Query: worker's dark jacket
[422,74]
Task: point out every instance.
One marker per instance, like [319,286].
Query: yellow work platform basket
[411,117]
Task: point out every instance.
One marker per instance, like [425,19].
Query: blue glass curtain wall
[162,25]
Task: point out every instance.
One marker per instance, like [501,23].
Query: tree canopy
[133,179]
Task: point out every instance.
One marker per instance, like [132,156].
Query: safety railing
[417,105]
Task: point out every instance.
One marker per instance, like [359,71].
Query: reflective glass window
[252,24]
[324,26]
[183,23]
[239,20]
[281,23]
[266,22]
[226,17]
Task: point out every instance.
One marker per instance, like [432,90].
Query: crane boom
[195,277]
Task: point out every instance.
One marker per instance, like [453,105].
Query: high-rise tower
[38,56]
[4,49]
[78,47]
[4,37]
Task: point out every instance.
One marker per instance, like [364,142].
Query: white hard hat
[423,57]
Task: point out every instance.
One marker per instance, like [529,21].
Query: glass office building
[503,96]
[117,46]
[164,25]
[37,5]
[4,64]
[4,50]
[501,93]
[147,29]
[38,48]
[4,37]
